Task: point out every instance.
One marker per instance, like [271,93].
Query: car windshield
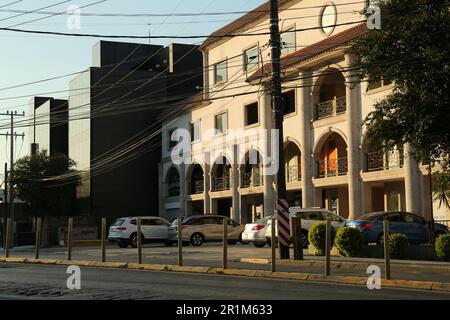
[264,220]
[118,222]
[368,217]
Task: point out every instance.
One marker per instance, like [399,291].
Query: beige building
[327,161]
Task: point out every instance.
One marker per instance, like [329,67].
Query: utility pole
[13,135]
[5,201]
[282,205]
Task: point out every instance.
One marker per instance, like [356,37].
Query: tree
[36,183]
[412,49]
[441,189]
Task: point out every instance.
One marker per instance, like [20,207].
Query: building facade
[327,162]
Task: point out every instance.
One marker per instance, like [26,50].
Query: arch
[245,157]
[167,171]
[293,140]
[292,161]
[221,156]
[196,178]
[252,169]
[173,182]
[324,136]
[192,166]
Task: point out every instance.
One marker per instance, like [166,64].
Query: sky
[27,57]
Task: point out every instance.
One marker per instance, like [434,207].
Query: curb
[344,265]
[352,280]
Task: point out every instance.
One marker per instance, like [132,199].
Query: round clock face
[328,18]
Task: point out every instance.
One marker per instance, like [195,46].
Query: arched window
[173,182]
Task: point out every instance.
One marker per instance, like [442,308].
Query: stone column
[235,186]
[413,196]
[207,183]
[305,108]
[183,189]
[353,93]
[267,121]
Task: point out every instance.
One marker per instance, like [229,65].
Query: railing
[378,161]
[250,179]
[332,167]
[222,184]
[198,187]
[293,173]
[331,108]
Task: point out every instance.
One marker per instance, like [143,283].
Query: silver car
[208,228]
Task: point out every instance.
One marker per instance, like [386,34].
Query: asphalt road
[49,282]
[210,255]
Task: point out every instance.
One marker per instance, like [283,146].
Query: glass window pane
[251,114]
[195,131]
[251,58]
[220,72]
[288,43]
[221,122]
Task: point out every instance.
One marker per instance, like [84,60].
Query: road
[210,255]
[49,282]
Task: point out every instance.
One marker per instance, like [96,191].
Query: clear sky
[26,57]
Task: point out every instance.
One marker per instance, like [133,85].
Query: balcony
[379,161]
[251,180]
[221,184]
[332,167]
[293,173]
[331,108]
[198,187]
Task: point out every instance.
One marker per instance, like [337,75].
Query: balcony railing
[333,167]
[378,161]
[293,173]
[250,179]
[198,187]
[222,183]
[331,108]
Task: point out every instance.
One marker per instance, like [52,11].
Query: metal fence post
[328,248]
[387,253]
[69,239]
[103,240]
[297,237]
[273,243]
[225,243]
[8,237]
[37,244]
[180,242]
[139,240]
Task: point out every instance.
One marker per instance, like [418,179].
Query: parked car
[309,216]
[413,226]
[154,229]
[207,228]
[256,232]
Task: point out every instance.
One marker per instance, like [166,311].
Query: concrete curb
[345,265]
[352,280]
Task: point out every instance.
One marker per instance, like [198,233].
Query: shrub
[317,237]
[349,242]
[442,247]
[398,244]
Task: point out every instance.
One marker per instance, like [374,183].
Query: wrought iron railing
[332,167]
[378,161]
[198,187]
[250,179]
[293,173]
[222,183]
[331,108]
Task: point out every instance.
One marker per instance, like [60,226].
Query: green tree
[441,189]
[46,183]
[412,49]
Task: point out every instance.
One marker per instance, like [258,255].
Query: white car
[154,229]
[256,232]
[310,217]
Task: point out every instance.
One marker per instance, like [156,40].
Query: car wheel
[242,241]
[123,244]
[134,240]
[197,239]
[259,244]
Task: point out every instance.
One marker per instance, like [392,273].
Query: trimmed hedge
[349,242]
[442,247]
[317,237]
[398,243]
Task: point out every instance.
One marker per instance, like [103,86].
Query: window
[409,218]
[328,18]
[375,83]
[288,42]
[221,122]
[173,183]
[195,131]
[288,102]
[220,72]
[171,144]
[395,217]
[251,114]
[251,58]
